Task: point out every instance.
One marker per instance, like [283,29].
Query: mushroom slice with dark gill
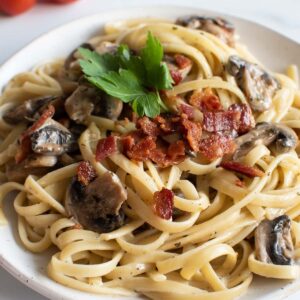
[87,100]
[28,110]
[258,85]
[71,65]
[34,164]
[97,206]
[52,139]
[273,241]
[279,137]
[214,25]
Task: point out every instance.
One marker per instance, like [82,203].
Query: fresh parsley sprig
[134,79]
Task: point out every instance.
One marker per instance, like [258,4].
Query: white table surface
[281,15]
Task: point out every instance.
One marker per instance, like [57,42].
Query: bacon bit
[127,143]
[182,61]
[166,125]
[147,126]
[221,121]
[47,114]
[188,110]
[161,156]
[193,133]
[216,146]
[163,203]
[246,121]
[176,151]
[240,183]
[243,169]
[142,150]
[176,76]
[85,173]
[106,147]
[206,100]
[23,150]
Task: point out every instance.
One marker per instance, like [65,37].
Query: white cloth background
[283,16]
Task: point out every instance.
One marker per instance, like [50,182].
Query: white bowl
[273,49]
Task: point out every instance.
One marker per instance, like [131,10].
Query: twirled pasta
[205,254]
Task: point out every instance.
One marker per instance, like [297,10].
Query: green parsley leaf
[131,78]
[147,105]
[123,85]
[95,64]
[153,52]
[130,62]
[158,74]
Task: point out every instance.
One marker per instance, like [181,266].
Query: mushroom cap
[279,137]
[87,100]
[52,139]
[28,110]
[97,206]
[257,84]
[214,25]
[273,242]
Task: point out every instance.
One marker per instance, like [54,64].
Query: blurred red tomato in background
[63,1]
[15,7]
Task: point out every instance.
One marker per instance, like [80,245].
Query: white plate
[273,49]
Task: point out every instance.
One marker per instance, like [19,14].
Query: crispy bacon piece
[188,110]
[246,120]
[47,114]
[168,156]
[182,61]
[106,147]
[141,150]
[238,117]
[206,100]
[176,151]
[166,125]
[176,76]
[221,121]
[193,132]
[216,145]
[163,203]
[235,166]
[127,143]
[23,150]
[147,126]
[85,173]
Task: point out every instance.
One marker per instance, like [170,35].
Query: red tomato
[15,7]
[62,1]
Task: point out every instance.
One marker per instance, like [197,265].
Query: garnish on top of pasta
[159,158]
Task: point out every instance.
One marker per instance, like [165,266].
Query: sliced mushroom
[97,206]
[214,25]
[28,110]
[107,47]
[87,100]
[38,161]
[258,85]
[279,137]
[52,139]
[71,65]
[273,241]
[34,165]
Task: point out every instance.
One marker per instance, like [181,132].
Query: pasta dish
[160,158]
